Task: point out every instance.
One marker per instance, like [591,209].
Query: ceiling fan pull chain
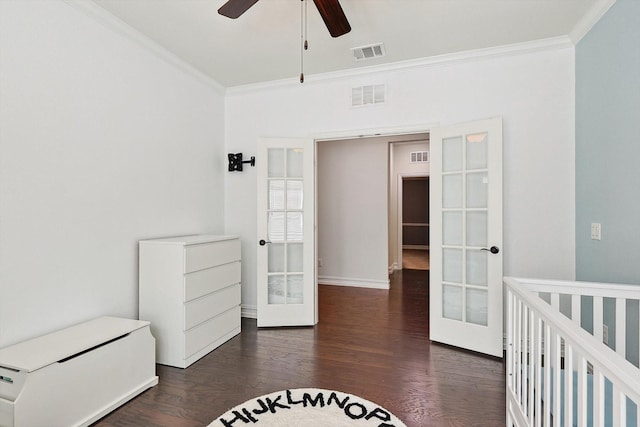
[303,36]
[306,25]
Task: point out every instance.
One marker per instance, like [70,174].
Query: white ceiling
[264,43]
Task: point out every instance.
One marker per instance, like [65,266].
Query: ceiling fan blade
[333,17]
[234,8]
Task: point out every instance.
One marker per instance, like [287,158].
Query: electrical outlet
[605,334]
[320,263]
[596,231]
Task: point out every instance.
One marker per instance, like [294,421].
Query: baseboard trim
[416,247]
[249,311]
[393,267]
[356,283]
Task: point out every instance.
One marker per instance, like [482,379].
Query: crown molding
[448,59]
[590,19]
[102,16]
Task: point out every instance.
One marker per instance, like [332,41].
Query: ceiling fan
[330,10]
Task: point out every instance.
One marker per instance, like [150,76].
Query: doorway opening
[409,204]
[415,223]
[357,206]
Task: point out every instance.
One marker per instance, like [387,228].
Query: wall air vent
[419,157]
[367,95]
[368,52]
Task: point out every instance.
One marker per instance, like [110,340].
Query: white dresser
[190,292]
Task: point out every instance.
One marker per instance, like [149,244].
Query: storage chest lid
[39,352]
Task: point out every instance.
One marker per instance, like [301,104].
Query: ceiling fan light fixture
[371,51]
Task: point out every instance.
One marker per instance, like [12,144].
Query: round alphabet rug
[308,407]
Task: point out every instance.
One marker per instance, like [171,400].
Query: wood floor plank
[369,342]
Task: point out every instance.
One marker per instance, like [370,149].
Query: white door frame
[401,177]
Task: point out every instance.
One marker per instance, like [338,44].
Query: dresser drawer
[208,332]
[211,305]
[206,255]
[204,282]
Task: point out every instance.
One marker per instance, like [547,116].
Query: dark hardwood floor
[372,343]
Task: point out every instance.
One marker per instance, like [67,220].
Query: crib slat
[598,398]
[510,321]
[534,364]
[530,364]
[531,335]
[576,309]
[555,301]
[538,351]
[555,367]
[547,373]
[525,362]
[621,326]
[568,384]
[582,392]
[511,379]
[597,318]
[619,407]
[518,351]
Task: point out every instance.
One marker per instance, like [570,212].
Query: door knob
[263,242]
[492,249]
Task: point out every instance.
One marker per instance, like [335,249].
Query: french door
[466,238]
[286,294]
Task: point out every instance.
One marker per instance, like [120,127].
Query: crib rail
[558,372]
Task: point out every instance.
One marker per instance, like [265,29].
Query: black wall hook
[235,162]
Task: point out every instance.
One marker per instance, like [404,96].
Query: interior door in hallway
[466,236]
[286,293]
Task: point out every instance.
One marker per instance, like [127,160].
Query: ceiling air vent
[419,157]
[367,95]
[368,52]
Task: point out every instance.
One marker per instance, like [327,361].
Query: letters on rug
[308,407]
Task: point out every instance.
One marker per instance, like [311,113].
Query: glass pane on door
[476,190]
[452,228]
[294,194]
[452,302]
[276,288]
[276,162]
[294,289]
[276,258]
[452,191]
[294,162]
[294,257]
[476,306]
[477,151]
[276,194]
[452,154]
[477,228]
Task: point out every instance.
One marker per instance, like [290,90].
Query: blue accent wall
[608,147]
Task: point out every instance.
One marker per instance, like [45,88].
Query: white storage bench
[77,375]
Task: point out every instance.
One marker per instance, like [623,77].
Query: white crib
[572,354]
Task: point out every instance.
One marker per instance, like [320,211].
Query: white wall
[352,212]
[102,143]
[532,91]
